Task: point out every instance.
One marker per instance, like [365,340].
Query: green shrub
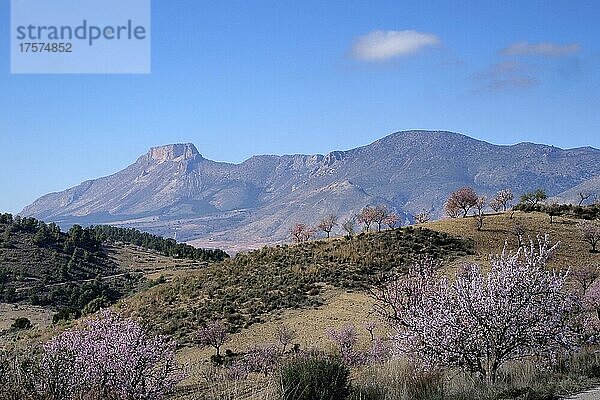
[95,305]
[21,323]
[66,314]
[314,377]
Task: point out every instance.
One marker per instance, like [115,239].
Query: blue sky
[239,78]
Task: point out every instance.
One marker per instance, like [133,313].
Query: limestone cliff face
[174,188]
[172,152]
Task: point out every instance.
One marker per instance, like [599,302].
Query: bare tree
[301,233]
[591,233]
[479,206]
[502,200]
[463,200]
[327,223]
[214,334]
[285,335]
[348,226]
[370,327]
[583,196]
[423,217]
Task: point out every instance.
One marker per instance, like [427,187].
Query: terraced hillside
[44,270]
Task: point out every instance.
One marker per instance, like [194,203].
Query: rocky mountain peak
[171,152]
[258,200]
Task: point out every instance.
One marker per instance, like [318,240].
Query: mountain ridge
[172,188]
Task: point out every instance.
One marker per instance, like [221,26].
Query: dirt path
[593,394]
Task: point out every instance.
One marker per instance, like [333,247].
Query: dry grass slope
[498,229]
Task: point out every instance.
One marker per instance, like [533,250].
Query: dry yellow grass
[498,229]
[39,316]
[151,263]
[341,308]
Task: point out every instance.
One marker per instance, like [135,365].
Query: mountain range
[173,191]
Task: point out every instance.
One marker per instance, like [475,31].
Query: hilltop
[258,286]
[173,189]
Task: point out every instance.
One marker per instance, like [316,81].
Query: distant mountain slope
[174,189]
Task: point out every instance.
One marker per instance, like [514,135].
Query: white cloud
[541,49]
[383,45]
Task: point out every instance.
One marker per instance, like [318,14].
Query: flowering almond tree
[345,339]
[501,200]
[327,223]
[367,216]
[109,357]
[591,233]
[301,233]
[478,321]
[214,334]
[460,202]
[392,220]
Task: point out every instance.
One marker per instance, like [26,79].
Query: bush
[21,323]
[18,372]
[66,314]
[314,377]
[95,305]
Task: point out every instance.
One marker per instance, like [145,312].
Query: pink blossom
[109,356]
[480,320]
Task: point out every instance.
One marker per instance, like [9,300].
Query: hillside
[44,270]
[256,287]
[40,265]
[310,286]
[499,229]
[174,190]
[257,292]
[349,266]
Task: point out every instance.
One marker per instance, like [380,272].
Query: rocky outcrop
[173,152]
